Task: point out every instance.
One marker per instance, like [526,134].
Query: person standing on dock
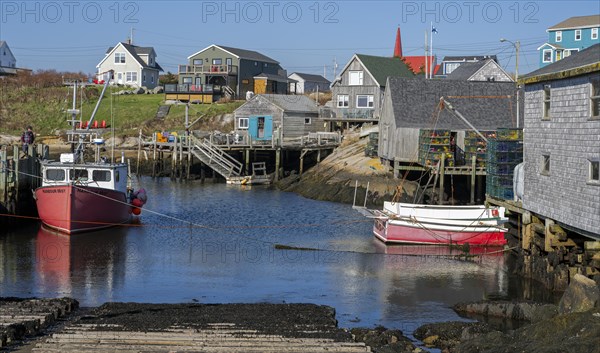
[27,139]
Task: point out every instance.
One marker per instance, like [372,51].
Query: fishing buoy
[137,202]
[136,211]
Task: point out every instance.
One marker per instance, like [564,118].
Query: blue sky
[304,36]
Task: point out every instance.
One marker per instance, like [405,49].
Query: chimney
[398,46]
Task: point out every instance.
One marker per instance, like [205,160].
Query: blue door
[260,127]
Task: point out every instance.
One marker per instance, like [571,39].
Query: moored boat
[78,196]
[440,225]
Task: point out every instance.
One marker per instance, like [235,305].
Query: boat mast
[79,151]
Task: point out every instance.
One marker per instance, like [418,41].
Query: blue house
[569,36]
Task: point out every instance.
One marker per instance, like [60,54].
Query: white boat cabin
[101,175]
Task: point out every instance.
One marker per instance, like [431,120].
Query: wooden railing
[208,69]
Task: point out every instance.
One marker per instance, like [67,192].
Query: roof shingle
[382,67]
[577,22]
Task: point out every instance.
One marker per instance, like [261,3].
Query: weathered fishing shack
[558,221]
[276,116]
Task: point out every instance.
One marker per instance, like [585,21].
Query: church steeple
[398,46]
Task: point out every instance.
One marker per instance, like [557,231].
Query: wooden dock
[133,327]
[548,251]
[19,175]
[230,156]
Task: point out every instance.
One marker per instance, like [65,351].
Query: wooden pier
[547,251]
[19,175]
[230,156]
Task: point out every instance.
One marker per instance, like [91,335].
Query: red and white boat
[439,225]
[78,196]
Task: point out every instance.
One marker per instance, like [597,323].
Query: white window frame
[577,35]
[545,164]
[370,102]
[131,76]
[546,102]
[544,55]
[344,99]
[594,99]
[594,33]
[187,80]
[121,58]
[356,78]
[558,36]
[243,123]
[594,179]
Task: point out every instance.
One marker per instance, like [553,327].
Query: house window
[568,52]
[119,58]
[131,76]
[364,101]
[144,78]
[187,80]
[558,55]
[307,121]
[546,114]
[547,56]
[197,62]
[265,65]
[558,37]
[152,78]
[151,61]
[595,33]
[577,34]
[449,67]
[356,78]
[594,172]
[217,61]
[595,98]
[545,165]
[342,101]
[242,123]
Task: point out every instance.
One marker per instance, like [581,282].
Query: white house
[8,63]
[305,83]
[132,65]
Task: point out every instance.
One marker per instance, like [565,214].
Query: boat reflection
[80,265]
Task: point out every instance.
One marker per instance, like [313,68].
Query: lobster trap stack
[433,145]
[504,153]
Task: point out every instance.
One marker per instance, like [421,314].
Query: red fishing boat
[78,196]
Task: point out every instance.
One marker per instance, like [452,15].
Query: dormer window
[150,61]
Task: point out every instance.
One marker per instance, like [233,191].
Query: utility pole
[517,46]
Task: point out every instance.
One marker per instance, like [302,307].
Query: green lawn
[45,109]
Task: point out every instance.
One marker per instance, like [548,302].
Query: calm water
[216,244]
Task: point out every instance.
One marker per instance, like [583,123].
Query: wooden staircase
[215,158]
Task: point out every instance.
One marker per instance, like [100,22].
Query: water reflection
[215,243]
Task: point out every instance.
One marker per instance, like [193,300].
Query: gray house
[451,63]
[562,141]
[358,91]
[276,116]
[483,70]
[307,83]
[132,65]
[232,71]
[410,105]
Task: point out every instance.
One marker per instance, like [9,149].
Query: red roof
[417,63]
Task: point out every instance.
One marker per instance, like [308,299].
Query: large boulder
[582,295]
[513,310]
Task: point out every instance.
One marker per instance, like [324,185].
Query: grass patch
[45,109]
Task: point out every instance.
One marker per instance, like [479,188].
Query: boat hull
[407,232]
[74,209]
